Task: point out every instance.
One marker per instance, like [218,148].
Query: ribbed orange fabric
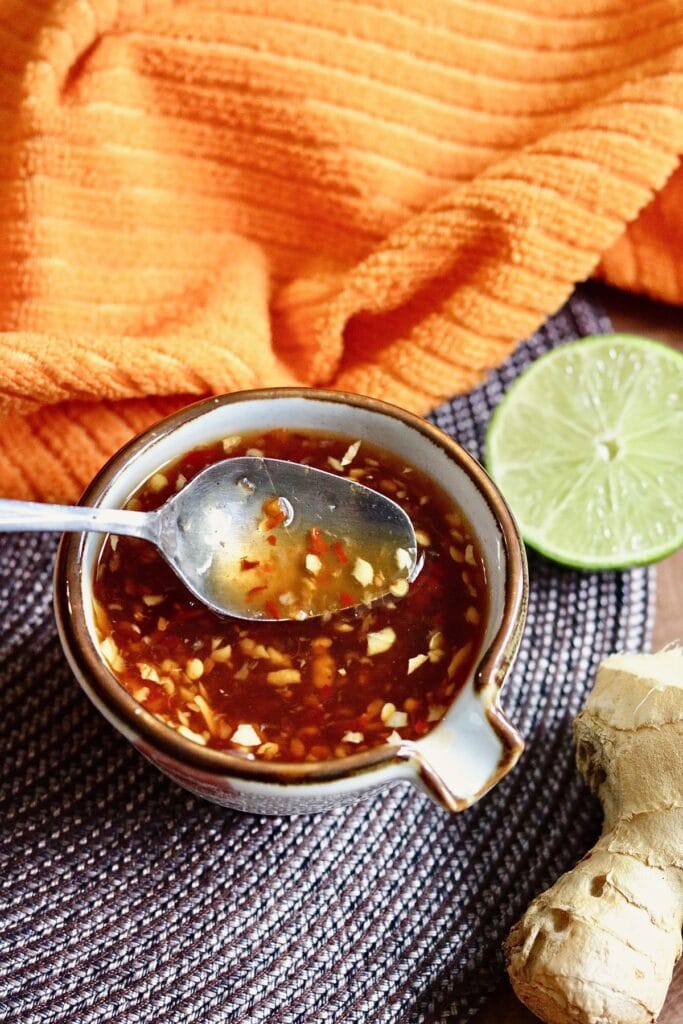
[378,195]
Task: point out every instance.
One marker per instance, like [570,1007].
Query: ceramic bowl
[473,746]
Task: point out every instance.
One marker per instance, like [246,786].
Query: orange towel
[377,195]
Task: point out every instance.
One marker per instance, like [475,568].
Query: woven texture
[382,196]
[125,900]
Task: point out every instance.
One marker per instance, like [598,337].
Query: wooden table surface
[638,316]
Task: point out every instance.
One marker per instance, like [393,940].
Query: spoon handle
[32,515]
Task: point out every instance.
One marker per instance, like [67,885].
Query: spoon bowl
[214,534]
[218,522]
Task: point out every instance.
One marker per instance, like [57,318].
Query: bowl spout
[467,753]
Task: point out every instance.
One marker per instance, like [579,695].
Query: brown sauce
[292,690]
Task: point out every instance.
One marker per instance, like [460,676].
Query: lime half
[587,447]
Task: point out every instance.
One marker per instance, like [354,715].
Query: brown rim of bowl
[87,663]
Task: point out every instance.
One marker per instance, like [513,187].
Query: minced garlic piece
[249,647]
[387,711]
[472,615]
[403,559]
[276,657]
[152,599]
[335,464]
[436,713]
[458,658]
[246,736]
[350,454]
[436,641]
[399,588]
[231,442]
[148,672]
[207,712]
[423,538]
[381,641]
[194,669]
[363,572]
[284,676]
[108,648]
[190,735]
[313,564]
[469,555]
[158,482]
[110,653]
[397,720]
[414,663]
[222,654]
[353,737]
[394,737]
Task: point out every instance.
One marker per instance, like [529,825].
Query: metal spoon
[216,525]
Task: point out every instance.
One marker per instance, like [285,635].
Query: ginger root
[599,947]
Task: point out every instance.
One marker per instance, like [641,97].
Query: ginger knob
[599,947]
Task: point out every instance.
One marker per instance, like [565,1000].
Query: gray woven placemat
[124,899]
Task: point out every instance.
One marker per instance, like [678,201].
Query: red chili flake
[248,563]
[272,540]
[338,549]
[346,600]
[257,590]
[316,544]
[421,727]
[274,513]
[272,609]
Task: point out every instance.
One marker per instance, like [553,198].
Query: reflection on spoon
[277,540]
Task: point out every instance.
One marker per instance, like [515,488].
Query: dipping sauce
[289,690]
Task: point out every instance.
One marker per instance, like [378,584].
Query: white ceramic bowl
[459,760]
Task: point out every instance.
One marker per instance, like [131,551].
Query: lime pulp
[587,448]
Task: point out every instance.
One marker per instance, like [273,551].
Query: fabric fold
[379,197]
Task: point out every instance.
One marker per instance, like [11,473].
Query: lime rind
[587,447]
